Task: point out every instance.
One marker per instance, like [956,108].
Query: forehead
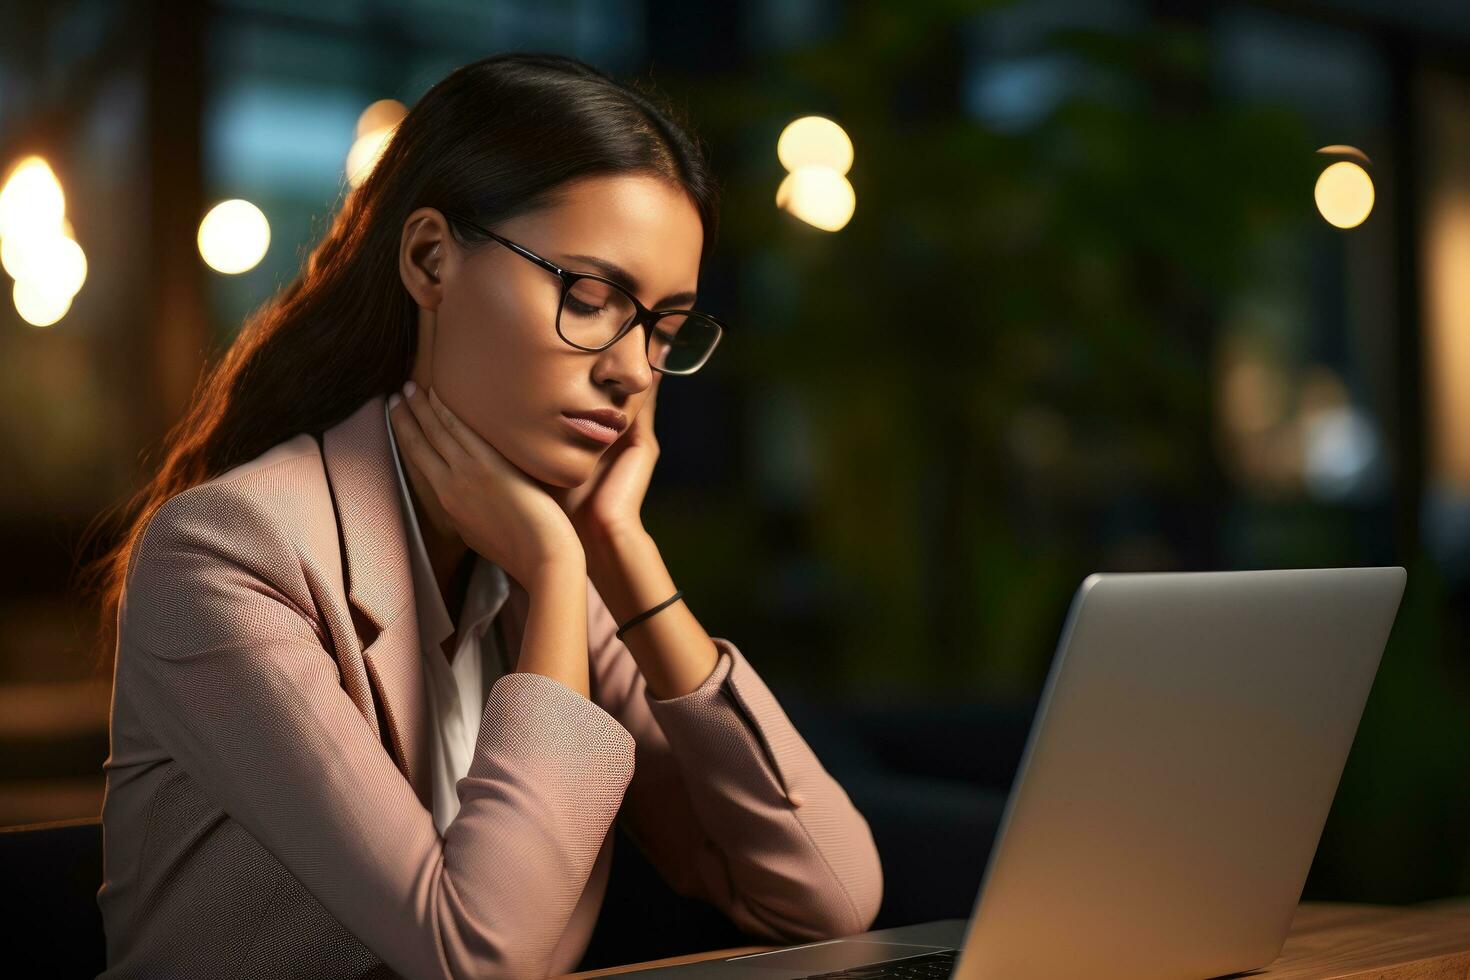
[645,224]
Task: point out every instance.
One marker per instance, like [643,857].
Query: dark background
[1085,317]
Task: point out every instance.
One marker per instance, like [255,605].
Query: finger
[433,429]
[463,435]
[645,414]
[474,447]
[411,442]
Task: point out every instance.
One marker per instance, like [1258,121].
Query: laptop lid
[1179,771]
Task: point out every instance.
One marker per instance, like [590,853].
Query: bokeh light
[1344,194]
[31,199]
[818,153]
[234,236]
[37,249]
[818,195]
[39,303]
[50,257]
[374,129]
[814,141]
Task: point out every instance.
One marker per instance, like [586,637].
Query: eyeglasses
[594,313]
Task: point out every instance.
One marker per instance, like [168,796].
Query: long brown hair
[494,139]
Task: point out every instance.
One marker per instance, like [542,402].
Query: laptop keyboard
[928,966]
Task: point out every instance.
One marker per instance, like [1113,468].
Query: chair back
[50,923]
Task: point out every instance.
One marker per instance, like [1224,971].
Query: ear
[426,252]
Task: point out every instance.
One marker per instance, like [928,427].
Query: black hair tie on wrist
[648,612]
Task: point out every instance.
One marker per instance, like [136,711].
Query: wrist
[613,556]
[605,539]
[558,572]
[628,572]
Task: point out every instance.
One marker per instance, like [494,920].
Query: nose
[627,360]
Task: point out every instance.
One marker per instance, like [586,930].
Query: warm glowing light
[814,141]
[817,152]
[1343,150]
[38,303]
[374,129]
[69,266]
[234,236]
[1344,194]
[31,200]
[17,250]
[818,195]
[36,245]
[54,259]
[365,153]
[382,114]
[1253,394]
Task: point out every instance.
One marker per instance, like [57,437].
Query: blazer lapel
[359,466]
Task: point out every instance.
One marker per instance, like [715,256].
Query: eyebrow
[625,278]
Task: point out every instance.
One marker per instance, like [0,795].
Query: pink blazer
[267,802]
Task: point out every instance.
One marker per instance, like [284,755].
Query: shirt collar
[485,594]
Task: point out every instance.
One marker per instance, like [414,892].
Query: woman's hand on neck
[445,548]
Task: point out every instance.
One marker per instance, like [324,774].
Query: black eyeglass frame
[642,314]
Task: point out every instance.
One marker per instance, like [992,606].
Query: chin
[564,471]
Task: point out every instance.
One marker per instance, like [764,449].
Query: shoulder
[258,517]
[226,559]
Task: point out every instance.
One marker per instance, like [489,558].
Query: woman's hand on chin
[610,501]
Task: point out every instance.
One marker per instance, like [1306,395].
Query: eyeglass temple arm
[543,263]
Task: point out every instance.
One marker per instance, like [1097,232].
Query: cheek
[470,362]
[504,377]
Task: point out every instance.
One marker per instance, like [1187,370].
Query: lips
[609,417]
[589,429]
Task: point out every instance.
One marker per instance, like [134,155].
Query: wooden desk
[1385,942]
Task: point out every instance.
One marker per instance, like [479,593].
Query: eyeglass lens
[593,312]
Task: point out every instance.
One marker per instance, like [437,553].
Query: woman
[393,647]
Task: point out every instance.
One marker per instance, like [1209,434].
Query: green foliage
[1007,359]
[1397,830]
[1014,327]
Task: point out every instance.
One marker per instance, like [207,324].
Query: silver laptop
[1173,789]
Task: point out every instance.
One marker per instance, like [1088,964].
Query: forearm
[777,844]
[727,798]
[672,651]
[555,639]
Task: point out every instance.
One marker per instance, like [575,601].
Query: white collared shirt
[456,691]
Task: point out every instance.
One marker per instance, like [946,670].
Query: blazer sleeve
[731,804]
[238,687]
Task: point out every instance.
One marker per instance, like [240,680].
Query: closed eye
[629,282]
